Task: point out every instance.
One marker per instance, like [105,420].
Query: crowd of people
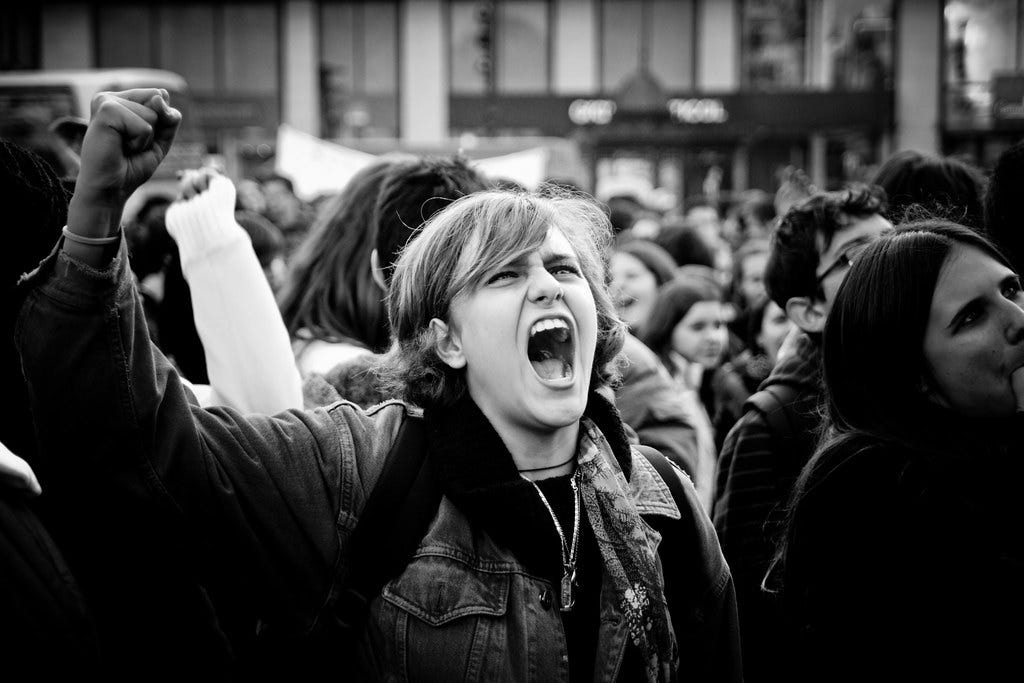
[440,427]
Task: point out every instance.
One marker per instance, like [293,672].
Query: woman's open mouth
[551,349]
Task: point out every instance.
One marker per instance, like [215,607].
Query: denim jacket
[274,499]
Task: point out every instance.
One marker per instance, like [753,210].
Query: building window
[502,47]
[521,46]
[250,49]
[125,37]
[469,32]
[187,45]
[657,32]
[773,52]
[359,69]
[228,54]
[984,40]
[858,44]
[20,46]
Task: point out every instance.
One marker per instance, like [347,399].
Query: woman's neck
[538,454]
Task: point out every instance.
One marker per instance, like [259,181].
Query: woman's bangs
[498,240]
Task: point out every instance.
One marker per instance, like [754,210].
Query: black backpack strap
[674,546]
[774,403]
[393,521]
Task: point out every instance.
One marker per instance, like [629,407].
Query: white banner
[528,168]
[318,166]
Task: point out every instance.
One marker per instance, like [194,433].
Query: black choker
[550,467]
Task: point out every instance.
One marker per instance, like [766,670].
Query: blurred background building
[695,97]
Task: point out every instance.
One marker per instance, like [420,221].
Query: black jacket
[906,565]
[757,468]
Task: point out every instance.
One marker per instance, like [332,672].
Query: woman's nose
[544,288]
[1015,323]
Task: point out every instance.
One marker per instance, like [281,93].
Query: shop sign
[583,112]
[1008,100]
[238,111]
[698,110]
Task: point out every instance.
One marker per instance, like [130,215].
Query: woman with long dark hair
[331,305]
[903,558]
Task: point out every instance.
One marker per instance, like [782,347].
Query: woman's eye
[970,317]
[1012,290]
[567,269]
[501,275]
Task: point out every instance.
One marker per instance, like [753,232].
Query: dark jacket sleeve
[44,622]
[709,638]
[649,403]
[269,498]
[746,498]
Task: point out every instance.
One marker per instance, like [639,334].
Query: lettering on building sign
[1010,110]
[697,110]
[582,112]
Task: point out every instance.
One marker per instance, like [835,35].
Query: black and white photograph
[512,341]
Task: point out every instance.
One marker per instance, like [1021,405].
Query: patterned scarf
[478,474]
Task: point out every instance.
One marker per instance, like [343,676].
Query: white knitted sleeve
[248,352]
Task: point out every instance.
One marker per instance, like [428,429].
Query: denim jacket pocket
[448,619]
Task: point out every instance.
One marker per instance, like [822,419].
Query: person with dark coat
[113,598]
[46,627]
[1004,205]
[811,252]
[537,562]
[903,557]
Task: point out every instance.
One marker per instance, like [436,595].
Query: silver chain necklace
[566,599]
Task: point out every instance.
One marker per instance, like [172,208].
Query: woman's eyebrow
[559,258]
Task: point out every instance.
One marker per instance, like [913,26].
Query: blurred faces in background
[700,336]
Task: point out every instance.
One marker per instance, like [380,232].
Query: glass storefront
[984,72]
[358,69]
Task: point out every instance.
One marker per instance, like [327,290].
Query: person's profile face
[634,289]
[775,326]
[752,280]
[847,244]
[281,205]
[974,339]
[528,333]
[700,336]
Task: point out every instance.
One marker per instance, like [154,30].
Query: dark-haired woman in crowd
[904,553]
[638,269]
[330,303]
[687,330]
[1004,205]
[537,563]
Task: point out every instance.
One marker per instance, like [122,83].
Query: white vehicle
[31,102]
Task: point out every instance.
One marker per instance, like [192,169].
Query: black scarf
[476,472]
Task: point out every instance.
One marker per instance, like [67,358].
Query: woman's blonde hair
[453,252]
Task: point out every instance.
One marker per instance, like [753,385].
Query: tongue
[551,368]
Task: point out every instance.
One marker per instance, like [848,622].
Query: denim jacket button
[545,599]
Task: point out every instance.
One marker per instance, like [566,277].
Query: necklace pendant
[566,600]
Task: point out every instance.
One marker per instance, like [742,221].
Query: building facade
[696,96]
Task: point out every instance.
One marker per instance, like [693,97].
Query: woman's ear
[447,345]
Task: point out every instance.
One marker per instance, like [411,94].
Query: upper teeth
[548,324]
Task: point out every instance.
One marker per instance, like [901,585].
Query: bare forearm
[93,216]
